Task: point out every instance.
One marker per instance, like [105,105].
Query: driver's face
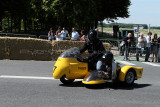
[92,39]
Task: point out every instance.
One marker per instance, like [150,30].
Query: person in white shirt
[140,45]
[58,34]
[75,35]
[148,46]
[64,33]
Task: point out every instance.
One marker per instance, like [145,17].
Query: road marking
[26,77]
[31,77]
[151,64]
[125,62]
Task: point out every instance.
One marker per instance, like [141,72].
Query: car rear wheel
[64,80]
[130,77]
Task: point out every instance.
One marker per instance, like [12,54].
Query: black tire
[130,77]
[66,81]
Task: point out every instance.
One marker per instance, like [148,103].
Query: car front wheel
[130,77]
[64,80]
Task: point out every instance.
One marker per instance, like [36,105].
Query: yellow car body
[68,67]
[74,69]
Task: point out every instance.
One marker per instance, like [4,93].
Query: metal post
[149,28]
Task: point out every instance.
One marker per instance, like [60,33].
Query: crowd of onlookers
[149,43]
[63,34]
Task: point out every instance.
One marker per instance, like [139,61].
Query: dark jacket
[128,44]
[95,49]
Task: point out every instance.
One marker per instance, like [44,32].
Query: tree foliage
[47,13]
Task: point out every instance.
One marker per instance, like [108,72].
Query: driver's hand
[80,59]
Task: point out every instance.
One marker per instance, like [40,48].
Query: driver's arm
[84,48]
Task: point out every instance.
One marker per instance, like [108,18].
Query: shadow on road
[74,84]
[117,86]
[125,87]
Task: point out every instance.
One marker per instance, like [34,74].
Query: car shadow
[74,84]
[115,86]
[122,86]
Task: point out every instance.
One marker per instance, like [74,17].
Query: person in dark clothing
[128,40]
[95,49]
[106,67]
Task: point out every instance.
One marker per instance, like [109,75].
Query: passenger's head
[92,35]
[107,58]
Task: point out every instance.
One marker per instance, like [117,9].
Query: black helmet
[92,34]
[108,57]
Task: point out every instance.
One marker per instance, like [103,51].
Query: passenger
[95,49]
[106,67]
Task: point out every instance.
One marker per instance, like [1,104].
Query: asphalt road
[30,84]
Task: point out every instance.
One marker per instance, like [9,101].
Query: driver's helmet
[92,34]
[107,57]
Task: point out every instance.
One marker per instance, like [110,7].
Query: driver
[106,65]
[95,49]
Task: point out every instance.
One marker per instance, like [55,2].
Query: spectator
[155,48]
[148,46]
[75,35]
[127,41]
[64,33]
[50,34]
[59,34]
[140,45]
[83,36]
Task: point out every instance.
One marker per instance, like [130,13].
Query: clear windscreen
[71,53]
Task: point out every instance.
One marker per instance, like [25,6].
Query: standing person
[140,45]
[83,36]
[148,46]
[75,35]
[50,34]
[155,48]
[58,34]
[64,33]
[128,41]
[95,49]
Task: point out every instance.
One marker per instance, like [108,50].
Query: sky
[143,12]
